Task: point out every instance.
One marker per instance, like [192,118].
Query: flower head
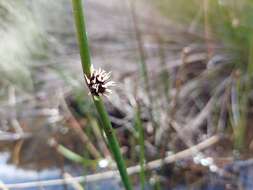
[99,82]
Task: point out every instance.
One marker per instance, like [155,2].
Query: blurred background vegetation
[184,94]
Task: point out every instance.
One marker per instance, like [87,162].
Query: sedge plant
[95,90]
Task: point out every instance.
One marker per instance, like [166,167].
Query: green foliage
[180,10]
[230,22]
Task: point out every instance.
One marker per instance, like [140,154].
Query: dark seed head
[99,82]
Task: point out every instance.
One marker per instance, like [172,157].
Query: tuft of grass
[226,27]
[244,88]
[86,65]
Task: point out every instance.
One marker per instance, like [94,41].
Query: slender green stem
[106,123]
[164,72]
[112,141]
[143,64]
[82,37]
[69,154]
[240,125]
[157,185]
[139,127]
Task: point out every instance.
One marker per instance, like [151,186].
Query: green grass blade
[69,154]
[139,127]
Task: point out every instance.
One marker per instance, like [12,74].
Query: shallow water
[11,174]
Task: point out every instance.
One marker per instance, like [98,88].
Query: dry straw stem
[86,65]
[75,184]
[74,124]
[190,152]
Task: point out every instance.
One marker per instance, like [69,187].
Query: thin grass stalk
[69,154]
[82,37]
[112,141]
[97,132]
[250,64]
[208,36]
[86,65]
[75,125]
[238,113]
[75,184]
[143,64]
[139,127]
[244,91]
[164,73]
[157,183]
[83,137]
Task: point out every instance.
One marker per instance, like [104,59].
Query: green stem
[112,141]
[82,37]
[69,154]
[106,123]
[139,127]
[157,185]
[143,64]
